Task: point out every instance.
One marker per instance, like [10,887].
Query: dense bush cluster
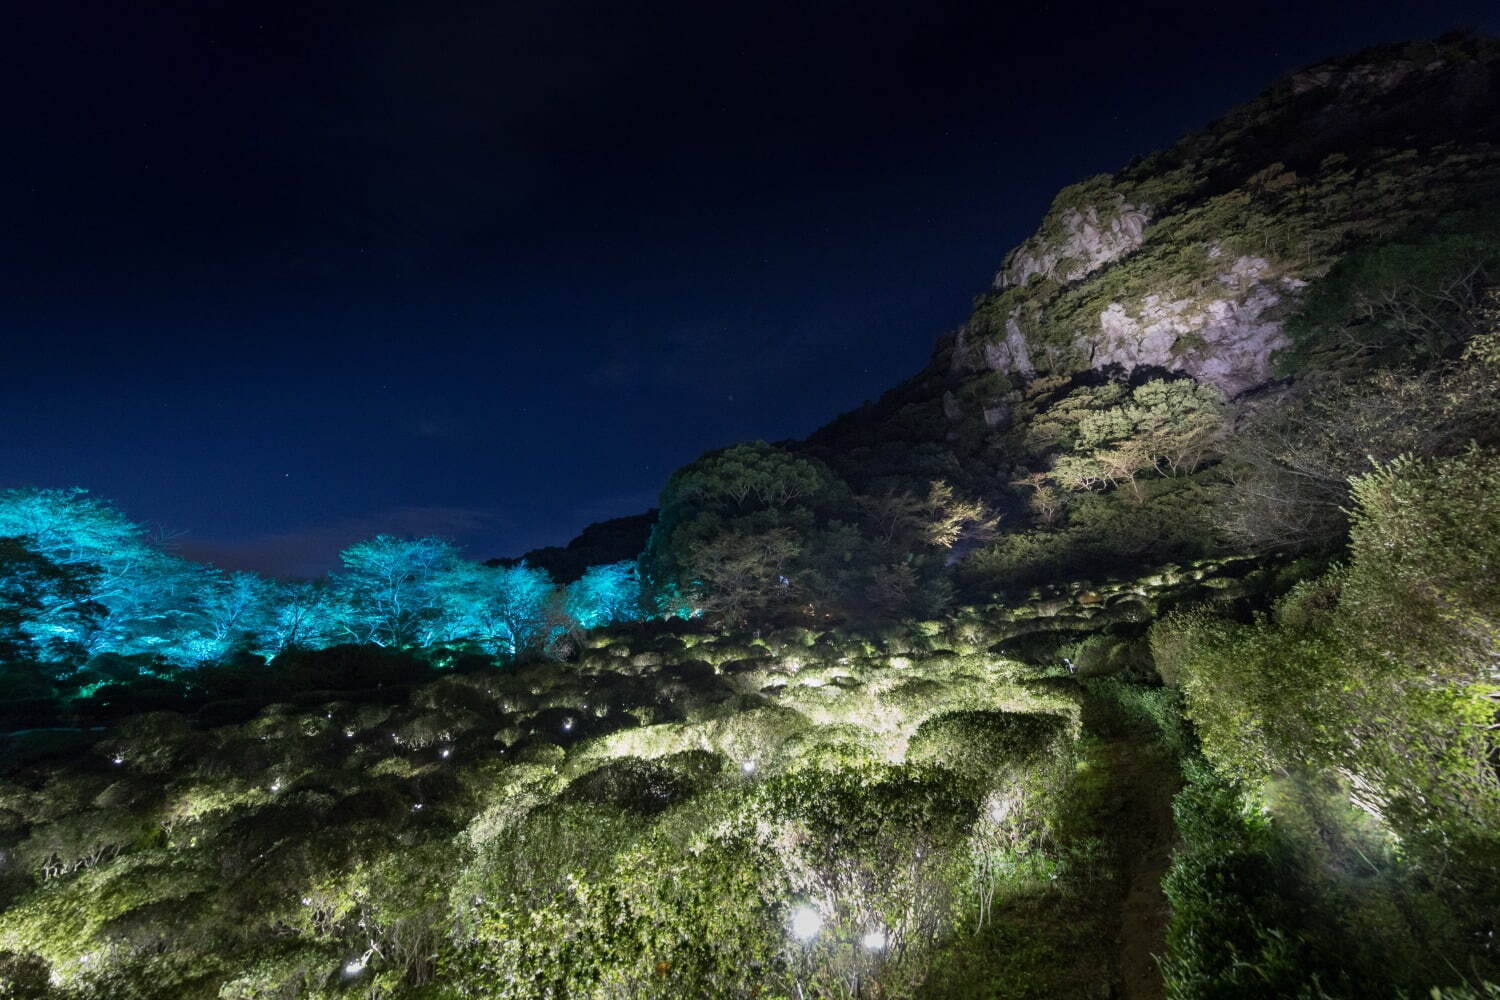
[1351,735]
[674,814]
[762,534]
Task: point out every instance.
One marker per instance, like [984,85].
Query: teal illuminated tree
[605,594]
[42,604]
[391,590]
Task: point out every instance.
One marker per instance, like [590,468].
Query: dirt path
[1143,780]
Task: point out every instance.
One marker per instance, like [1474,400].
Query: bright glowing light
[445,753]
[275,786]
[306,900]
[873,941]
[118,759]
[416,807]
[748,767]
[806,922]
[354,967]
[567,725]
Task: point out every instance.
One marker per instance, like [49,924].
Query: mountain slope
[1190,260]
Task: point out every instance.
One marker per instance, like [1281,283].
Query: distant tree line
[82,585]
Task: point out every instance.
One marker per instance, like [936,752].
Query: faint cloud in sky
[313,550]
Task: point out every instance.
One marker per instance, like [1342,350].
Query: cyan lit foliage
[79,580]
[605,594]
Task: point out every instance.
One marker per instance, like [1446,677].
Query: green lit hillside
[649,819]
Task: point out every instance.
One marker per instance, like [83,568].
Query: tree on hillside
[1292,461]
[42,604]
[604,594]
[935,520]
[151,598]
[737,575]
[1047,502]
[509,609]
[238,611]
[391,590]
[731,516]
[302,616]
[1165,427]
[748,476]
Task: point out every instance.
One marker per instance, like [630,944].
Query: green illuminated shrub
[645,786]
[1377,670]
[577,902]
[985,748]
[870,848]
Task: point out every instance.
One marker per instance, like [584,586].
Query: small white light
[118,759]
[349,733]
[416,807]
[567,725]
[1001,808]
[806,922]
[444,753]
[873,941]
[275,786]
[748,767]
[306,900]
[354,967]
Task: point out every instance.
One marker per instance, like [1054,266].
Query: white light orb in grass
[354,967]
[873,941]
[1000,808]
[445,753]
[748,767]
[805,923]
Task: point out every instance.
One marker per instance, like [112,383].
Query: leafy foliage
[1416,298]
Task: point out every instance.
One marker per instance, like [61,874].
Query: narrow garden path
[1143,781]
[1096,940]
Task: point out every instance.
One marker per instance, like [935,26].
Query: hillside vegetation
[1145,644]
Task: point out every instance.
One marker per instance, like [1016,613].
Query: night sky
[278,279]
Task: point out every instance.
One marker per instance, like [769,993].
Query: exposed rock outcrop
[1088,240]
[1192,259]
[1226,340]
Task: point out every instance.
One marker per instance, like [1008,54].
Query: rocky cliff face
[1191,259]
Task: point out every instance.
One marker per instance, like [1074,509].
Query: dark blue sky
[277,279]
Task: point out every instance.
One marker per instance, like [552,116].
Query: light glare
[806,922]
